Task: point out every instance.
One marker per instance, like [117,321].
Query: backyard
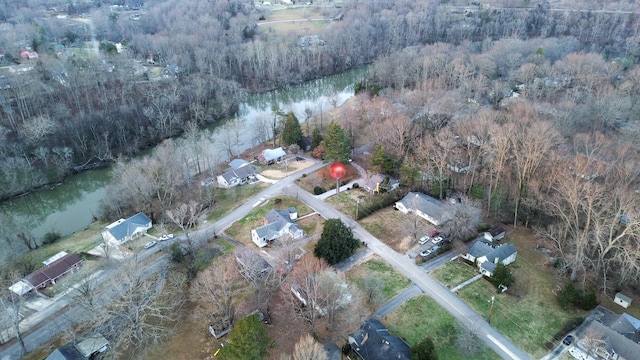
[420,317]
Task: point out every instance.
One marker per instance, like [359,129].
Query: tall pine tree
[292,132]
[336,242]
[336,144]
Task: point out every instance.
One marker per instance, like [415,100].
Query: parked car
[429,252]
[149,244]
[437,240]
[423,240]
[165,237]
[568,340]
[434,233]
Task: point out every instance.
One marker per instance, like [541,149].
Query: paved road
[458,309]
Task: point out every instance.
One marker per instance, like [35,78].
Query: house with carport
[428,208]
[125,230]
[49,274]
[277,223]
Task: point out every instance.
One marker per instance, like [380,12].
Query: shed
[622,300]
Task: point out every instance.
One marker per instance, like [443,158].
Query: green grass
[228,199]
[420,317]
[453,273]
[394,282]
[347,201]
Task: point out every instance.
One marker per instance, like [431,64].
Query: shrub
[51,237]
[569,326]
[319,190]
[584,299]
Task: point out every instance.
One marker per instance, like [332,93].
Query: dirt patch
[395,228]
[279,171]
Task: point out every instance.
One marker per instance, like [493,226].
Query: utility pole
[493,301]
[357,206]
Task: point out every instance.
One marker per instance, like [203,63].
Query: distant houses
[125,230]
[277,223]
[425,206]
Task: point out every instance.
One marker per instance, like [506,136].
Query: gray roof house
[425,206]
[236,176]
[238,163]
[277,223]
[618,335]
[271,156]
[374,342]
[82,350]
[124,230]
[487,257]
[380,182]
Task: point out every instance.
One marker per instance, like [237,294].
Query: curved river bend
[72,205]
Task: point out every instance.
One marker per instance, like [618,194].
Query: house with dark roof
[373,341]
[123,230]
[49,274]
[428,208]
[277,223]
[271,156]
[82,350]
[496,233]
[487,257]
[236,176]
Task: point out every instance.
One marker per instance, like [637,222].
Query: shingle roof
[480,249]
[239,173]
[53,270]
[374,342]
[127,227]
[273,154]
[238,163]
[425,203]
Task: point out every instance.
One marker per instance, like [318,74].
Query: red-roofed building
[51,273]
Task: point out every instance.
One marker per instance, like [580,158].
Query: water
[72,205]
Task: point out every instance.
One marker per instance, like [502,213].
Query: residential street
[458,309]
[467,317]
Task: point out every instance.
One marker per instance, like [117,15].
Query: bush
[51,237]
[584,299]
[376,203]
[319,190]
[569,326]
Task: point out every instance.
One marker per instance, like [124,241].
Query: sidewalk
[473,279]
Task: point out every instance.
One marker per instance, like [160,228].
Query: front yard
[420,317]
[393,282]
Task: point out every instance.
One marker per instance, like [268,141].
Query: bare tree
[187,217]
[217,291]
[307,348]
[11,306]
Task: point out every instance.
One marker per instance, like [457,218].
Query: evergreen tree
[502,276]
[316,138]
[424,350]
[292,132]
[336,144]
[377,158]
[336,242]
[248,340]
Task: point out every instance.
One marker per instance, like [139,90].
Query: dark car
[568,340]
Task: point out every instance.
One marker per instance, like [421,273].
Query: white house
[488,257]
[123,230]
[277,224]
[425,206]
[272,156]
[236,176]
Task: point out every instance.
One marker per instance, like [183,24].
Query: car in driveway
[568,340]
[437,240]
[165,237]
[430,252]
[150,244]
[423,240]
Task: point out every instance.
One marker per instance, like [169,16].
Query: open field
[528,314]
[395,228]
[420,317]
[394,282]
[228,199]
[347,201]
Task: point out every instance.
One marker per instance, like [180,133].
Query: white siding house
[423,205]
[123,230]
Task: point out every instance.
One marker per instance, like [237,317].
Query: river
[72,205]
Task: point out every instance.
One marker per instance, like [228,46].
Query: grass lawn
[228,199]
[529,314]
[420,317]
[394,228]
[347,201]
[394,282]
[453,273]
[241,229]
[78,242]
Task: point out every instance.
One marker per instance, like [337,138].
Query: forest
[530,110]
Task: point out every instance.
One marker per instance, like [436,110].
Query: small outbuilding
[622,300]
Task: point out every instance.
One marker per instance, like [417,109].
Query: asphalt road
[458,309]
